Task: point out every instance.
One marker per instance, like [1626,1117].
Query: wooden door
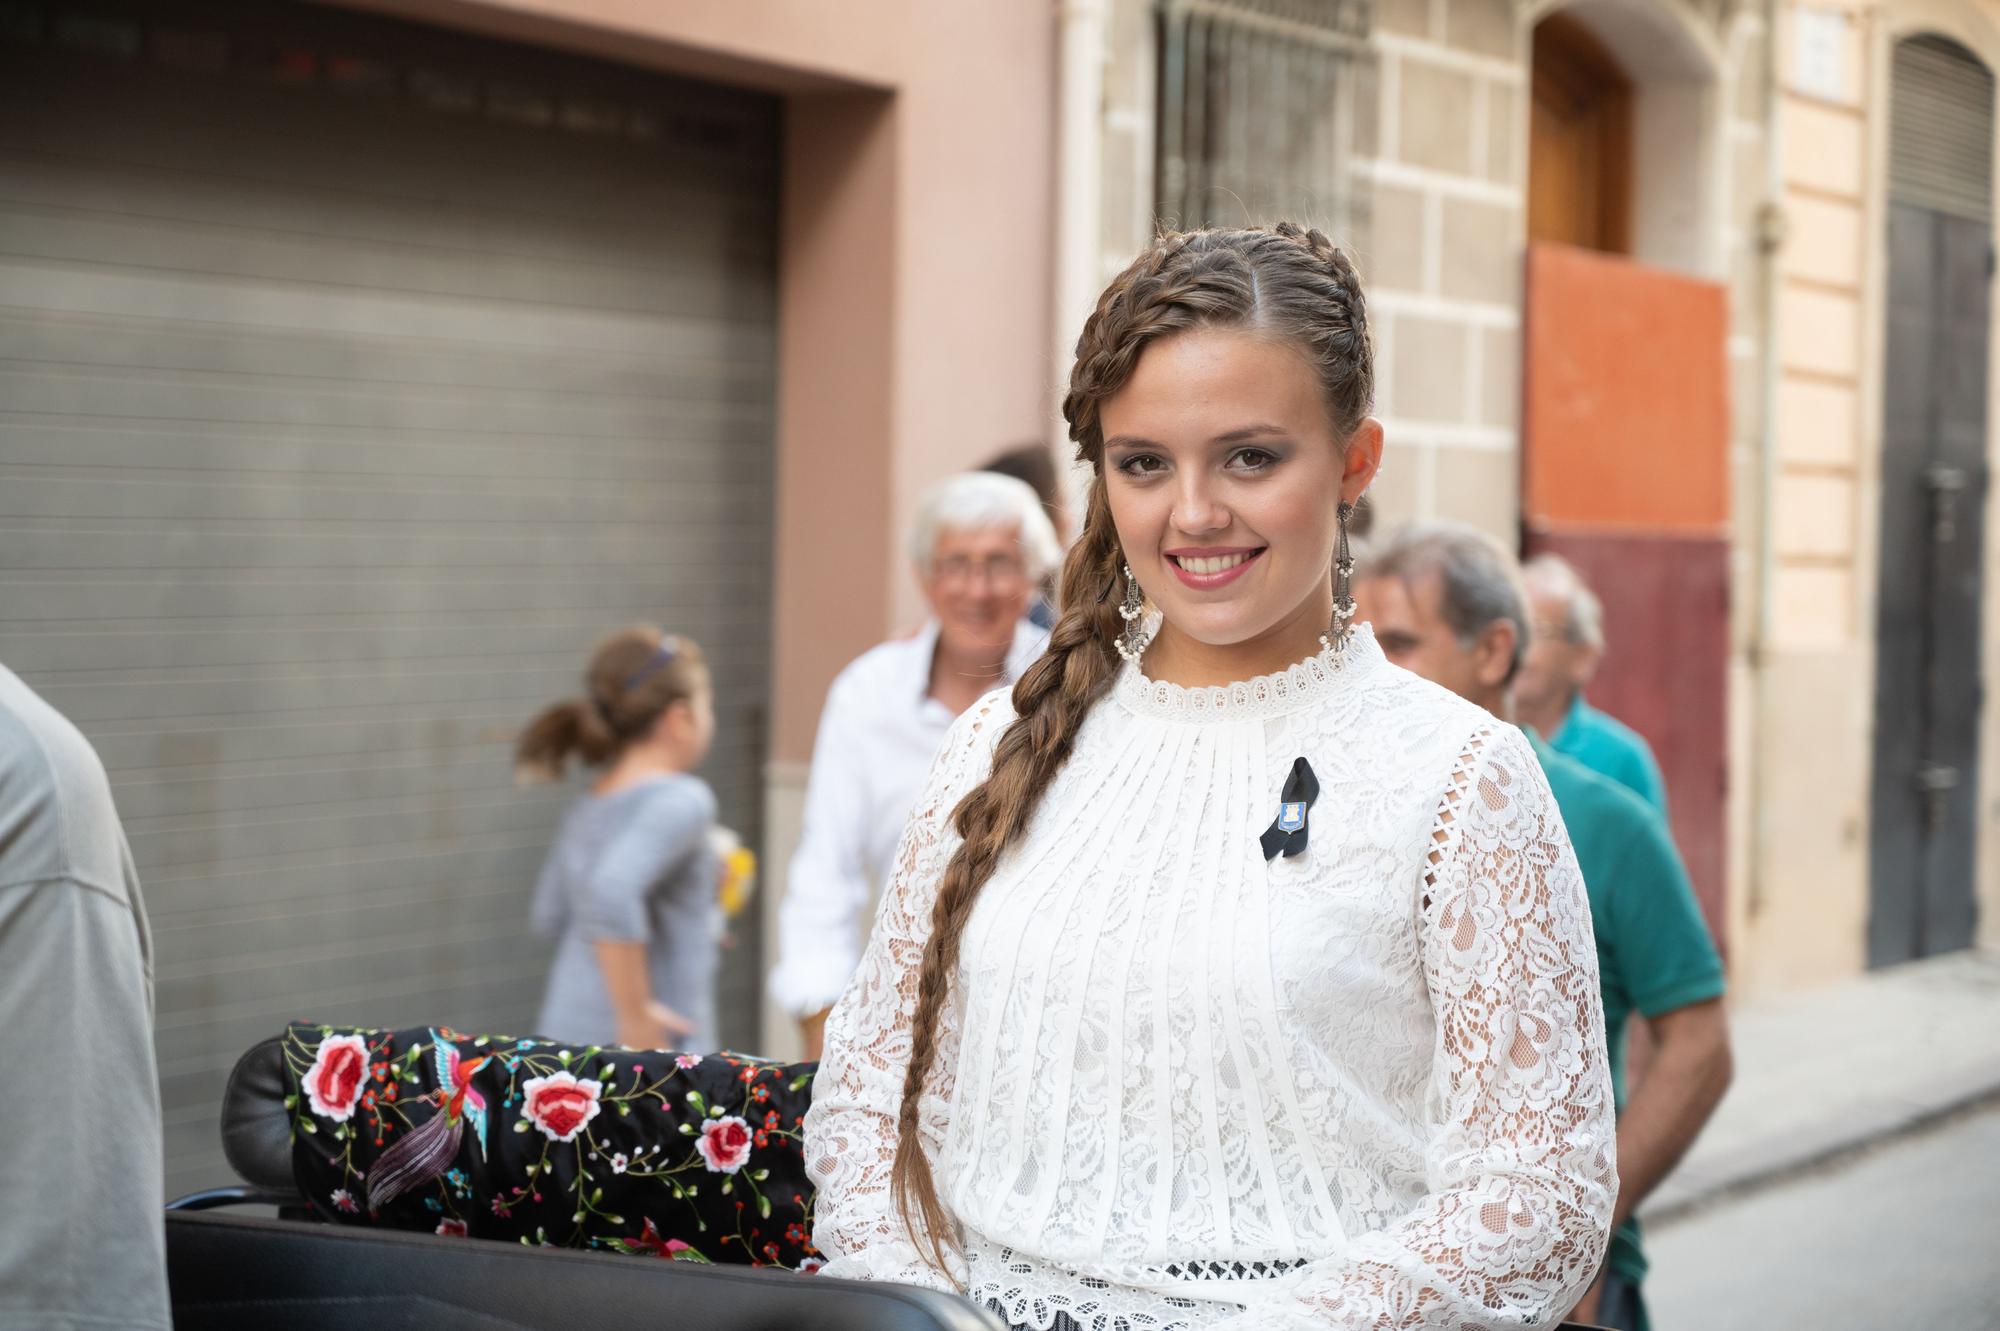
[1580,141]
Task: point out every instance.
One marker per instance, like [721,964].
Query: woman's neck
[641,762]
[1177,658]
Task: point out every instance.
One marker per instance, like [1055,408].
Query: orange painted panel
[1625,404]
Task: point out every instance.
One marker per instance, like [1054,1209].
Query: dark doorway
[1934,478]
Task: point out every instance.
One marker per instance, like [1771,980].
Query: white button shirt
[878,734]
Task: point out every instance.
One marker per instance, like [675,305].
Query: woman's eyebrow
[1235,436]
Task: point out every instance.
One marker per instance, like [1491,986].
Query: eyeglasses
[998,570]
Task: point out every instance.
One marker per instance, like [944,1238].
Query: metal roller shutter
[1941,128]
[354,378]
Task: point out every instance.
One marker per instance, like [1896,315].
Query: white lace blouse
[1180,1086]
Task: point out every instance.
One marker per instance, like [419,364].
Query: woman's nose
[1195,508]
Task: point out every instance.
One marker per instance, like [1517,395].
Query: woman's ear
[1361,460]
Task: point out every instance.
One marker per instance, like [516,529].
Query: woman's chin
[1216,626]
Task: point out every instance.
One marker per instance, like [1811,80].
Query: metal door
[355,377]
[1934,479]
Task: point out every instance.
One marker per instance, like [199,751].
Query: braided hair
[1287,281]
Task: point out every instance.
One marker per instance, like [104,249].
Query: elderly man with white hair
[981,545]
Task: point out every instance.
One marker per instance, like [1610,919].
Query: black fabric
[697,1158]
[230,1273]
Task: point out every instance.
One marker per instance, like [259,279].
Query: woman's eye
[1253,459]
[1140,464]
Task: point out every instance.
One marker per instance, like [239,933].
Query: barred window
[1258,102]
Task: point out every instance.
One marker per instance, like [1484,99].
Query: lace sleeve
[851,1127]
[1521,1156]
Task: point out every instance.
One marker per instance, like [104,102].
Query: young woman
[629,890]
[1247,982]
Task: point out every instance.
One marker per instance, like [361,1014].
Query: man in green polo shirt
[1561,660]
[1446,602]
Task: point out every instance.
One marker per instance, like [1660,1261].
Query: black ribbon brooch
[1287,831]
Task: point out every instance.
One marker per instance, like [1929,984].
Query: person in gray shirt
[629,891]
[83,1245]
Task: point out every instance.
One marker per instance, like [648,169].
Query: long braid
[1287,280]
[1051,699]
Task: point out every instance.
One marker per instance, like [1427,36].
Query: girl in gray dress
[629,890]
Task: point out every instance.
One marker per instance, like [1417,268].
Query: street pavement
[1902,1236]
[1822,1072]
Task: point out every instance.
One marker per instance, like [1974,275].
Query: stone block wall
[1442,167]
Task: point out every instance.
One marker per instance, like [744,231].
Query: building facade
[1876,817]
[1633,268]
[364,364]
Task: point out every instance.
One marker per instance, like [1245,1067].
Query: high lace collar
[1292,689]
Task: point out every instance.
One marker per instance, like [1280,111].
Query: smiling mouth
[1212,564]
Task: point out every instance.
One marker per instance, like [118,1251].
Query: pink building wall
[916,265]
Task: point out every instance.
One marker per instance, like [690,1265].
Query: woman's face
[689,725]
[1223,472]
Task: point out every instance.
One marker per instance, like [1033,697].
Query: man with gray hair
[1446,602]
[980,546]
[1568,644]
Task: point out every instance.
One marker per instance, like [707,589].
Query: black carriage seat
[236,1273]
[256,1127]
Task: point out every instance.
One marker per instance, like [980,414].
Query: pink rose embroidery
[687,1060]
[559,1104]
[333,1083]
[452,1228]
[724,1144]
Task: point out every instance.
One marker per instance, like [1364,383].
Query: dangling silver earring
[1132,643]
[1335,638]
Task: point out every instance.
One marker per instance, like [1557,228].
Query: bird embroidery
[455,1080]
